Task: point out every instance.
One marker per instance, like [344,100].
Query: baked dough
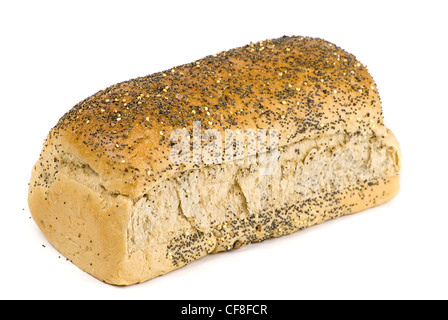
[107,195]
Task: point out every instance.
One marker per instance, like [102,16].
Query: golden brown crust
[302,87]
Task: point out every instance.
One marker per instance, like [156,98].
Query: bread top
[303,87]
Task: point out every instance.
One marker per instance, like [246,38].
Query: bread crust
[305,88]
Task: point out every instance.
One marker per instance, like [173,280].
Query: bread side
[224,207]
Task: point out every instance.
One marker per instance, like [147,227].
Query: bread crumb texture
[107,195]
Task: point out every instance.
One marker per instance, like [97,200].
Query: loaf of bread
[108,193]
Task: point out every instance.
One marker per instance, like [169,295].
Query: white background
[54,54]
